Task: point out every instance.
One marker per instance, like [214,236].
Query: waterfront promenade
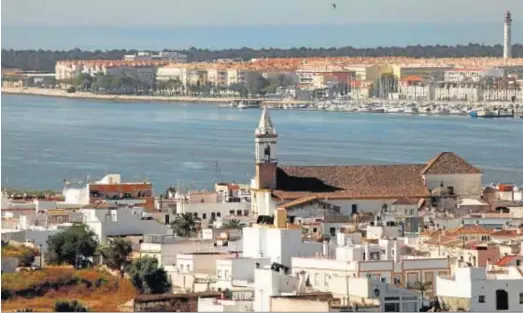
[89,95]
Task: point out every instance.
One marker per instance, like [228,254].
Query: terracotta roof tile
[470,230]
[350,182]
[406,201]
[449,163]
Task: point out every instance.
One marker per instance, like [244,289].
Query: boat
[485,113]
[249,105]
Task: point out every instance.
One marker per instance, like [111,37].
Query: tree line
[45,60]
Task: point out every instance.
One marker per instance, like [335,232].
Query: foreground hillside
[39,290]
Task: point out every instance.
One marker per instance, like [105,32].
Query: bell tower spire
[265,140]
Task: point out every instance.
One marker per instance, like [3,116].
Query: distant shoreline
[147,98]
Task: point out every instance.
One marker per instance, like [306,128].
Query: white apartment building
[472,74]
[236,76]
[477,290]
[107,221]
[381,262]
[172,71]
[144,71]
[217,77]
[164,55]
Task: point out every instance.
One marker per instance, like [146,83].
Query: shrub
[66,306]
[24,254]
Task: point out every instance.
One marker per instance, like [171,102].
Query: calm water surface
[45,140]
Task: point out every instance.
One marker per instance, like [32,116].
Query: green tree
[66,306]
[256,83]
[233,224]
[73,246]
[49,81]
[83,81]
[116,254]
[183,224]
[239,88]
[147,276]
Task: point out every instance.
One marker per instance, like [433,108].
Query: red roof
[506,260]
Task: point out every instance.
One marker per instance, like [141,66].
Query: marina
[475,110]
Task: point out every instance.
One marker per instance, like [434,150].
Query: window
[314,230]
[383,279]
[397,280]
[218,214]
[521,298]
[327,279]
[219,274]
[518,262]
[246,212]
[481,299]
[231,212]
[239,212]
[354,208]
[195,214]
[204,216]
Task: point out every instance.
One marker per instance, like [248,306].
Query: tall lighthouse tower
[507,39]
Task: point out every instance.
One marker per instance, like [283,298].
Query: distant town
[169,75]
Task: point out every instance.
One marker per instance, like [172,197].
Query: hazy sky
[251,12]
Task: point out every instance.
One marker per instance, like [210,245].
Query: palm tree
[183,224]
[233,224]
[421,287]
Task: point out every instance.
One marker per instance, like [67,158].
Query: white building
[107,221]
[475,290]
[381,262]
[238,272]
[269,282]
[210,205]
[278,242]
[390,298]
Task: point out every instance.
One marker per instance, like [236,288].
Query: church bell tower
[265,152]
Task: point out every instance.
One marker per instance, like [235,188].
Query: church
[350,189]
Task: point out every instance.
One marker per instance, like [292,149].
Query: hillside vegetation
[39,290]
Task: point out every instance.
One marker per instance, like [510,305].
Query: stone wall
[453,303]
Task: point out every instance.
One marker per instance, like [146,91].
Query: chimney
[396,247]
[326,248]
[280,218]
[367,252]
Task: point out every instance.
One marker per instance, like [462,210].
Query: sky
[219,24]
[250,12]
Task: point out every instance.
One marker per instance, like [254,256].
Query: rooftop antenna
[217,169]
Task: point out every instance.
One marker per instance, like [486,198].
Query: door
[501,300]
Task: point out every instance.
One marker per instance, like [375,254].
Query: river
[46,140]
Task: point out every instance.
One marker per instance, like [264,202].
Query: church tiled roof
[449,163]
[350,182]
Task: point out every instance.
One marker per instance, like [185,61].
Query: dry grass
[105,296]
